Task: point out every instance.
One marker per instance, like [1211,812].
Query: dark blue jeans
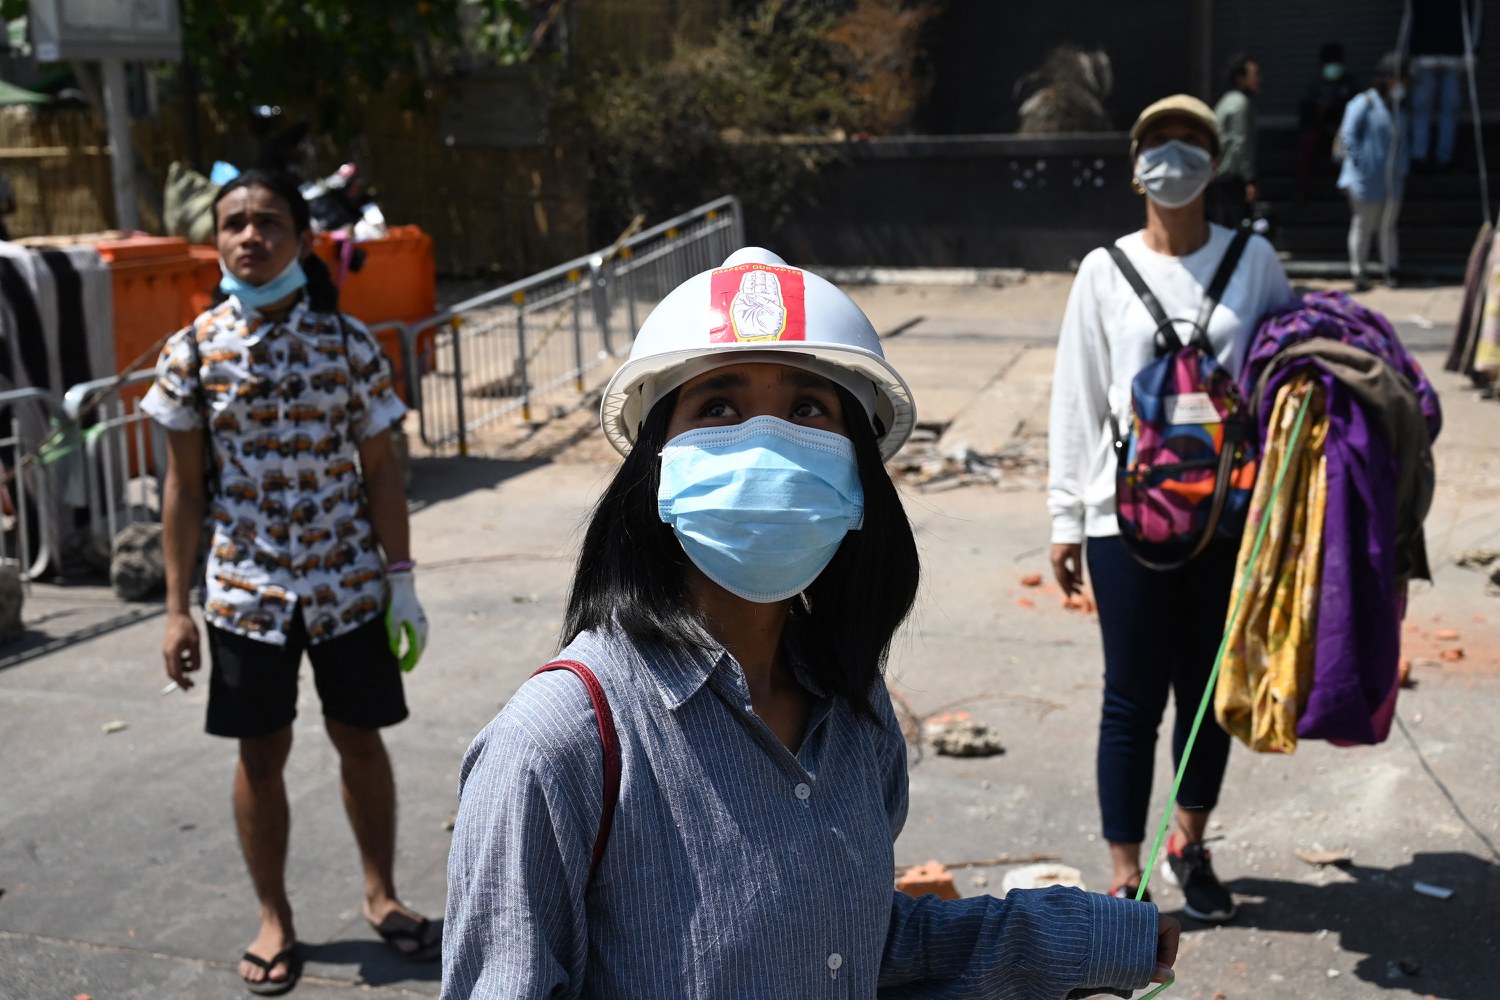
[1161,633]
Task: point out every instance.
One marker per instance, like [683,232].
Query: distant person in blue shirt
[736,595]
[1377,157]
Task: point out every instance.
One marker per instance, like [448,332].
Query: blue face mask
[760,507]
[288,281]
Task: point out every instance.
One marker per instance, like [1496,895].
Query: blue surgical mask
[1333,71]
[1174,173]
[761,506]
[288,281]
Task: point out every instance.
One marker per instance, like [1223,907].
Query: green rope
[1208,690]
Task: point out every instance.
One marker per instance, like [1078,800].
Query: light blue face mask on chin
[291,278]
[761,506]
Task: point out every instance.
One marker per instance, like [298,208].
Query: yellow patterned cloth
[1487,350]
[1272,629]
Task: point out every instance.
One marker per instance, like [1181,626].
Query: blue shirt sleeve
[1035,944]
[1031,945]
[530,795]
[891,753]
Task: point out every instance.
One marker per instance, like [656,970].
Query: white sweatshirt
[1107,338]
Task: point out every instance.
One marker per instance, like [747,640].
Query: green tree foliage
[313,53]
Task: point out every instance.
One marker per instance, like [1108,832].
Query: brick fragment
[1080,602]
[1031,580]
[928,878]
[1452,654]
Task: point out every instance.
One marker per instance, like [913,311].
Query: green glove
[404,619]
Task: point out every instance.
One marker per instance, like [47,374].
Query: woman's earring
[1135,184]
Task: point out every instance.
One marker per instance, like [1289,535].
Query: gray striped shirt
[734,869]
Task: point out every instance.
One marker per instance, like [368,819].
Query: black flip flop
[274,987]
[422,949]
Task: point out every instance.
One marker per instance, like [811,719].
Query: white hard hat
[757,308]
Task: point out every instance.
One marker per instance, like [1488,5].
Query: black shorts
[252,685]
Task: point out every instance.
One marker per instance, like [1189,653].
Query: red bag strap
[605,720]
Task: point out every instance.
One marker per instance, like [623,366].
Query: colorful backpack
[1187,460]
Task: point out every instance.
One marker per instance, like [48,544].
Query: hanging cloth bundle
[1267,672]
[1379,415]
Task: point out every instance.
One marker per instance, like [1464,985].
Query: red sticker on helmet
[757,302]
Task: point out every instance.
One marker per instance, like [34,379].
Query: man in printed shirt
[279,412]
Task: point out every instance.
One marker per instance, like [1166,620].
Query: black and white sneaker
[1124,891]
[1190,868]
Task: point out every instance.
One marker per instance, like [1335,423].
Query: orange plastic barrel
[397,280]
[160,284]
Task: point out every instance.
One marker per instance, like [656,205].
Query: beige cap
[1178,105]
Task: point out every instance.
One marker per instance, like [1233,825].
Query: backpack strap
[1220,281]
[1165,327]
[338,321]
[211,479]
[1148,298]
[605,720]
[196,355]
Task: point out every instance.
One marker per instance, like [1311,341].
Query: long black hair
[632,570]
[322,293]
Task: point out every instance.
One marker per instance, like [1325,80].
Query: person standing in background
[1160,628]
[1233,192]
[1320,111]
[1377,158]
[278,411]
[1440,56]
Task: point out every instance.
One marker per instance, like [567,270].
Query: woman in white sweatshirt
[1161,629]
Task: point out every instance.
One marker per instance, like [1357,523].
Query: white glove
[404,618]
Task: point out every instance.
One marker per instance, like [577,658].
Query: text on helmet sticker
[756,302]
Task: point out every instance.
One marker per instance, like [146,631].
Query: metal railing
[531,345]
[30,442]
[125,456]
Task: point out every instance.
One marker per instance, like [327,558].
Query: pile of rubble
[931,468]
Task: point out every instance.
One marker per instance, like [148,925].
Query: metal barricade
[33,434]
[529,347]
[125,456]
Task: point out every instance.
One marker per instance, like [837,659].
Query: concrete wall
[965,201]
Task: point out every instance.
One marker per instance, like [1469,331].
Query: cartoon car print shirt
[286,405]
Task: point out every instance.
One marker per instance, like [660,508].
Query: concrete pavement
[122,877]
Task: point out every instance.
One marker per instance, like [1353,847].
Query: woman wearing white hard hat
[736,595]
[1161,628]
